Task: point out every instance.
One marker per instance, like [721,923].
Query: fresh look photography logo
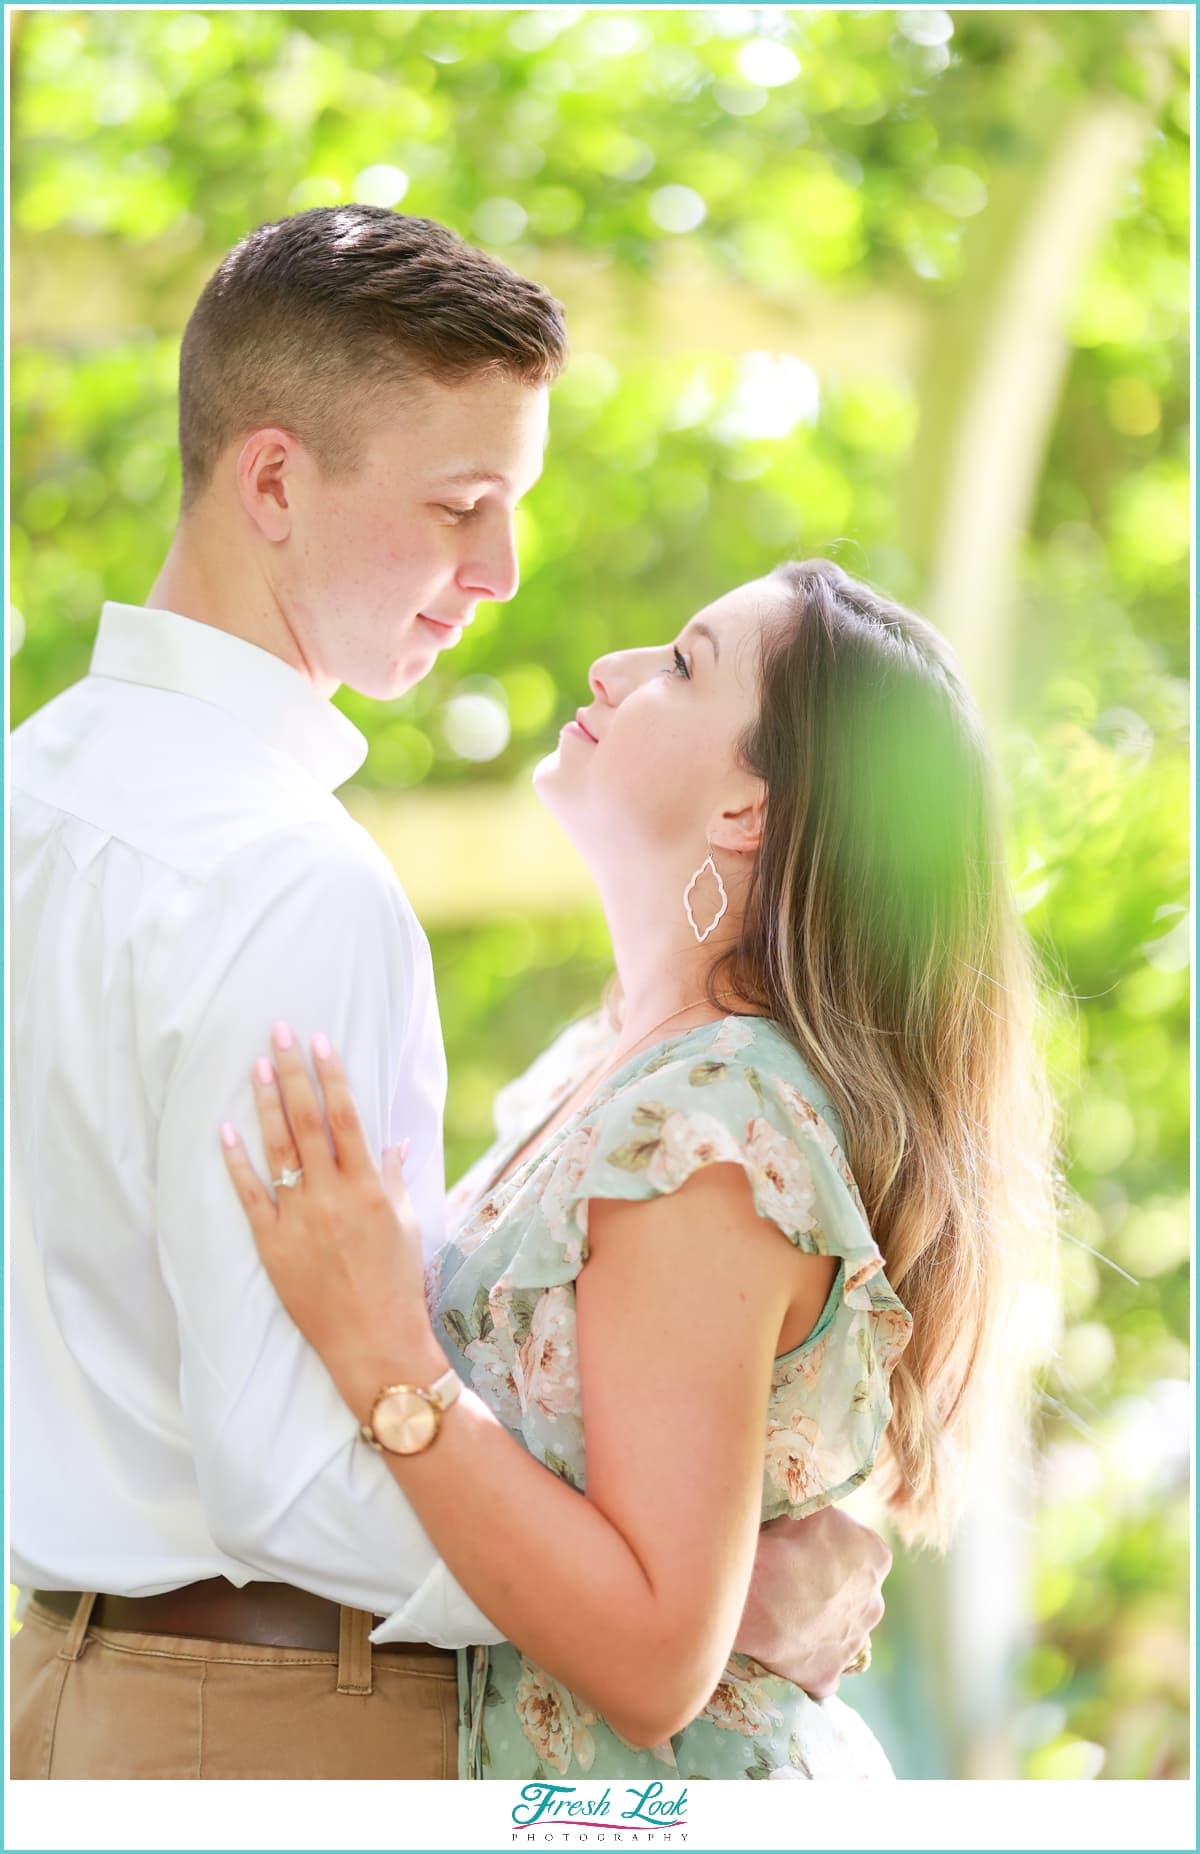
[633,1815]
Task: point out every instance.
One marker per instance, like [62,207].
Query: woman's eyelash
[681,665]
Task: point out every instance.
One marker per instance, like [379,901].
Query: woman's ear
[739,829]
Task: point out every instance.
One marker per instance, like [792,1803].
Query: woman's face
[650,764]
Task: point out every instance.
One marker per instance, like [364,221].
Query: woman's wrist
[411,1356]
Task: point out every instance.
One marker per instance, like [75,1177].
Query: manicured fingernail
[228,1134]
[262,1069]
[283,1036]
[404,1148]
[321,1046]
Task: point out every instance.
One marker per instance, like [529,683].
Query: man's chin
[392,681]
[404,679]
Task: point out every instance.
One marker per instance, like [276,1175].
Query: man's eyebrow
[460,477]
[699,625]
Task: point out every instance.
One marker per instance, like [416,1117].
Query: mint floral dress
[502,1297]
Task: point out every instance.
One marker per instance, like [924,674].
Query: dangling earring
[708,863]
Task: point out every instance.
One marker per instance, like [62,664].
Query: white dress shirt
[182,876]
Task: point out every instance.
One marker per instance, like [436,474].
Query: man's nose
[495,572]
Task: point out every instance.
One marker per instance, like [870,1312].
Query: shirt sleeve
[325,940]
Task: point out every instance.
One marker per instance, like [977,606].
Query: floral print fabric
[502,1296]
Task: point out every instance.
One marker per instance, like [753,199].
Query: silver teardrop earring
[708,863]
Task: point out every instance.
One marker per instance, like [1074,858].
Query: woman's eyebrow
[699,625]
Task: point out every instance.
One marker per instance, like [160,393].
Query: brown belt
[267,1615]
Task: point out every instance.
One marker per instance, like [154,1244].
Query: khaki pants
[91,1702]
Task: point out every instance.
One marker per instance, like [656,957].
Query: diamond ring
[287,1177]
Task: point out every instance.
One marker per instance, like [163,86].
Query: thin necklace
[535,1148]
[593,1082]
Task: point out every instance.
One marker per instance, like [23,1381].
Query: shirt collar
[165,650]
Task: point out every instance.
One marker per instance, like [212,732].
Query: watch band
[446,1388]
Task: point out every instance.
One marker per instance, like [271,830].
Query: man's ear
[265,463]
[739,828]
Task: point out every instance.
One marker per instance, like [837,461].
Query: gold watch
[405,1418]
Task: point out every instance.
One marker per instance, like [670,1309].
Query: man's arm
[815,1596]
[323,940]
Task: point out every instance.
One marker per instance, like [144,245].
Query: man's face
[382,569]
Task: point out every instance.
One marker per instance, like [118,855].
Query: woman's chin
[545,777]
[548,784]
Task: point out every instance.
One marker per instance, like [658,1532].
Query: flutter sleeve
[830,1402]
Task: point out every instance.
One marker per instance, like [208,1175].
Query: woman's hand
[341,1245]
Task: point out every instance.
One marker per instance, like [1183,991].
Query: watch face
[405,1422]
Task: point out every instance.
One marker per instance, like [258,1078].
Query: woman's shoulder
[735,1091]
[730,1064]
[730,1092]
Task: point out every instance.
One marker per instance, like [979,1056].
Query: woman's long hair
[881,933]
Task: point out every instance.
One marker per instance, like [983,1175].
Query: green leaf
[520,1317]
[457,1327]
[659,1062]
[559,1465]
[796,1756]
[481,1314]
[634,1156]
[651,1114]
[705,1072]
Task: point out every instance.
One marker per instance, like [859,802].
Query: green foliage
[707,189]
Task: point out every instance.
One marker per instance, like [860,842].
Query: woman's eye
[458,514]
[681,665]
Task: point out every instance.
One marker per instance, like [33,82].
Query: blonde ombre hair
[880,932]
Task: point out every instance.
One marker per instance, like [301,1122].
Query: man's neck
[228,594]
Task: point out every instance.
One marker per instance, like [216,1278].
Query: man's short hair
[310,317]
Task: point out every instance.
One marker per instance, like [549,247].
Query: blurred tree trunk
[995,361]
[993,375]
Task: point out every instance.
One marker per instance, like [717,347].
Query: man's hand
[815,1596]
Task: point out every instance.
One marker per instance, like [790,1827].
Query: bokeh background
[907,288]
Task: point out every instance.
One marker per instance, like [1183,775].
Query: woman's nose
[614,676]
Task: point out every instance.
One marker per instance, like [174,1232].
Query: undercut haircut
[309,318]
